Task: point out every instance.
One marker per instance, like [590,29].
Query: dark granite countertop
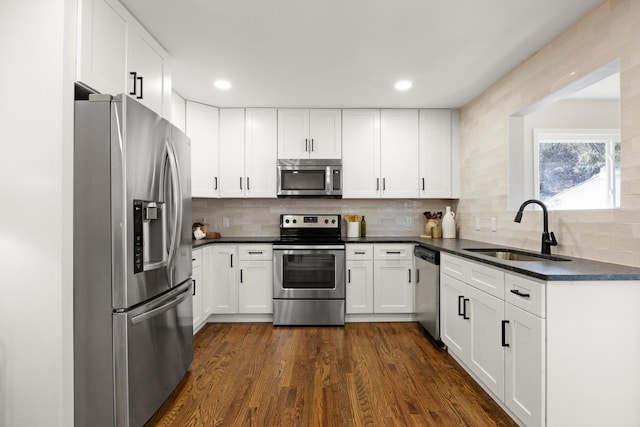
[577,269]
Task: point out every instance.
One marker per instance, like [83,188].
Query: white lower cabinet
[502,345]
[255,290]
[393,278]
[196,274]
[359,263]
[524,391]
[379,278]
[486,354]
[242,278]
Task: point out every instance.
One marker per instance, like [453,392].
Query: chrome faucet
[548,239]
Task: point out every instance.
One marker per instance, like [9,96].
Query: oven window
[303,179]
[312,271]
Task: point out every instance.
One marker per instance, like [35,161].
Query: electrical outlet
[477,223]
[494,224]
[225,222]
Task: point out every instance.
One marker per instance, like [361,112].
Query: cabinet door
[359,298]
[152,65]
[178,111]
[223,263]
[361,154]
[486,354]
[525,366]
[435,154]
[198,286]
[106,38]
[261,150]
[393,287]
[325,132]
[293,133]
[255,289]
[232,179]
[399,153]
[453,325]
[202,128]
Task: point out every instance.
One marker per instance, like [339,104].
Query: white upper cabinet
[361,154]
[261,146]
[106,37]
[435,154]
[232,179]
[248,144]
[178,111]
[114,46]
[399,153]
[202,127]
[309,133]
[150,73]
[380,154]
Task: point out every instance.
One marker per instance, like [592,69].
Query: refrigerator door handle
[161,309]
[176,197]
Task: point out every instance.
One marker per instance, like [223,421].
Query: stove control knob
[286,221]
[333,221]
[295,221]
[326,221]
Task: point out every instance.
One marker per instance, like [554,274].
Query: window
[577,169]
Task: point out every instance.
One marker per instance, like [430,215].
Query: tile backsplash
[260,217]
[609,32]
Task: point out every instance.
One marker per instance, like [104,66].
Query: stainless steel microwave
[310,178]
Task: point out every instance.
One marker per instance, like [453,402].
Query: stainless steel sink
[515,255]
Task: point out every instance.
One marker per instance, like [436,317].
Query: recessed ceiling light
[222,84]
[403,85]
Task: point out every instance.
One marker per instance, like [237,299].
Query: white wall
[36,367]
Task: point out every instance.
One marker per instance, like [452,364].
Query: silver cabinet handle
[312,144]
[247,183]
[306,144]
[231,256]
[215,185]
[384,184]
[241,183]
[359,252]
[409,275]
[255,252]
[377,184]
[422,184]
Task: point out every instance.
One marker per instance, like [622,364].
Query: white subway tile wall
[611,31]
[260,217]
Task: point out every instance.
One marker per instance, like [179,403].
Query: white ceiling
[349,53]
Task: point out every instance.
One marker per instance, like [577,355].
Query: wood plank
[362,374]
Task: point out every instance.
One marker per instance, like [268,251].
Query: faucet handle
[551,240]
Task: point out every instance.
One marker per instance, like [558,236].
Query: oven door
[309,272]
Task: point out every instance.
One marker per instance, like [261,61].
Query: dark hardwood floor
[362,374]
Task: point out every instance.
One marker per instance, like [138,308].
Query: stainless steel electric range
[309,271]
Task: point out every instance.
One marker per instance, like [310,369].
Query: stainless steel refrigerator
[133,336]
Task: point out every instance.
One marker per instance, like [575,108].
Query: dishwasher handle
[430,256]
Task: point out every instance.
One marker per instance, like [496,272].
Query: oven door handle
[307,247]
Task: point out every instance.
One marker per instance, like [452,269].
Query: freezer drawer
[153,349]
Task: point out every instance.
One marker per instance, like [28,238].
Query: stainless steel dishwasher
[427,264]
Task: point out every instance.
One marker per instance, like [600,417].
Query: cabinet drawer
[393,252]
[480,276]
[255,252]
[454,267]
[487,279]
[359,251]
[196,258]
[525,293]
